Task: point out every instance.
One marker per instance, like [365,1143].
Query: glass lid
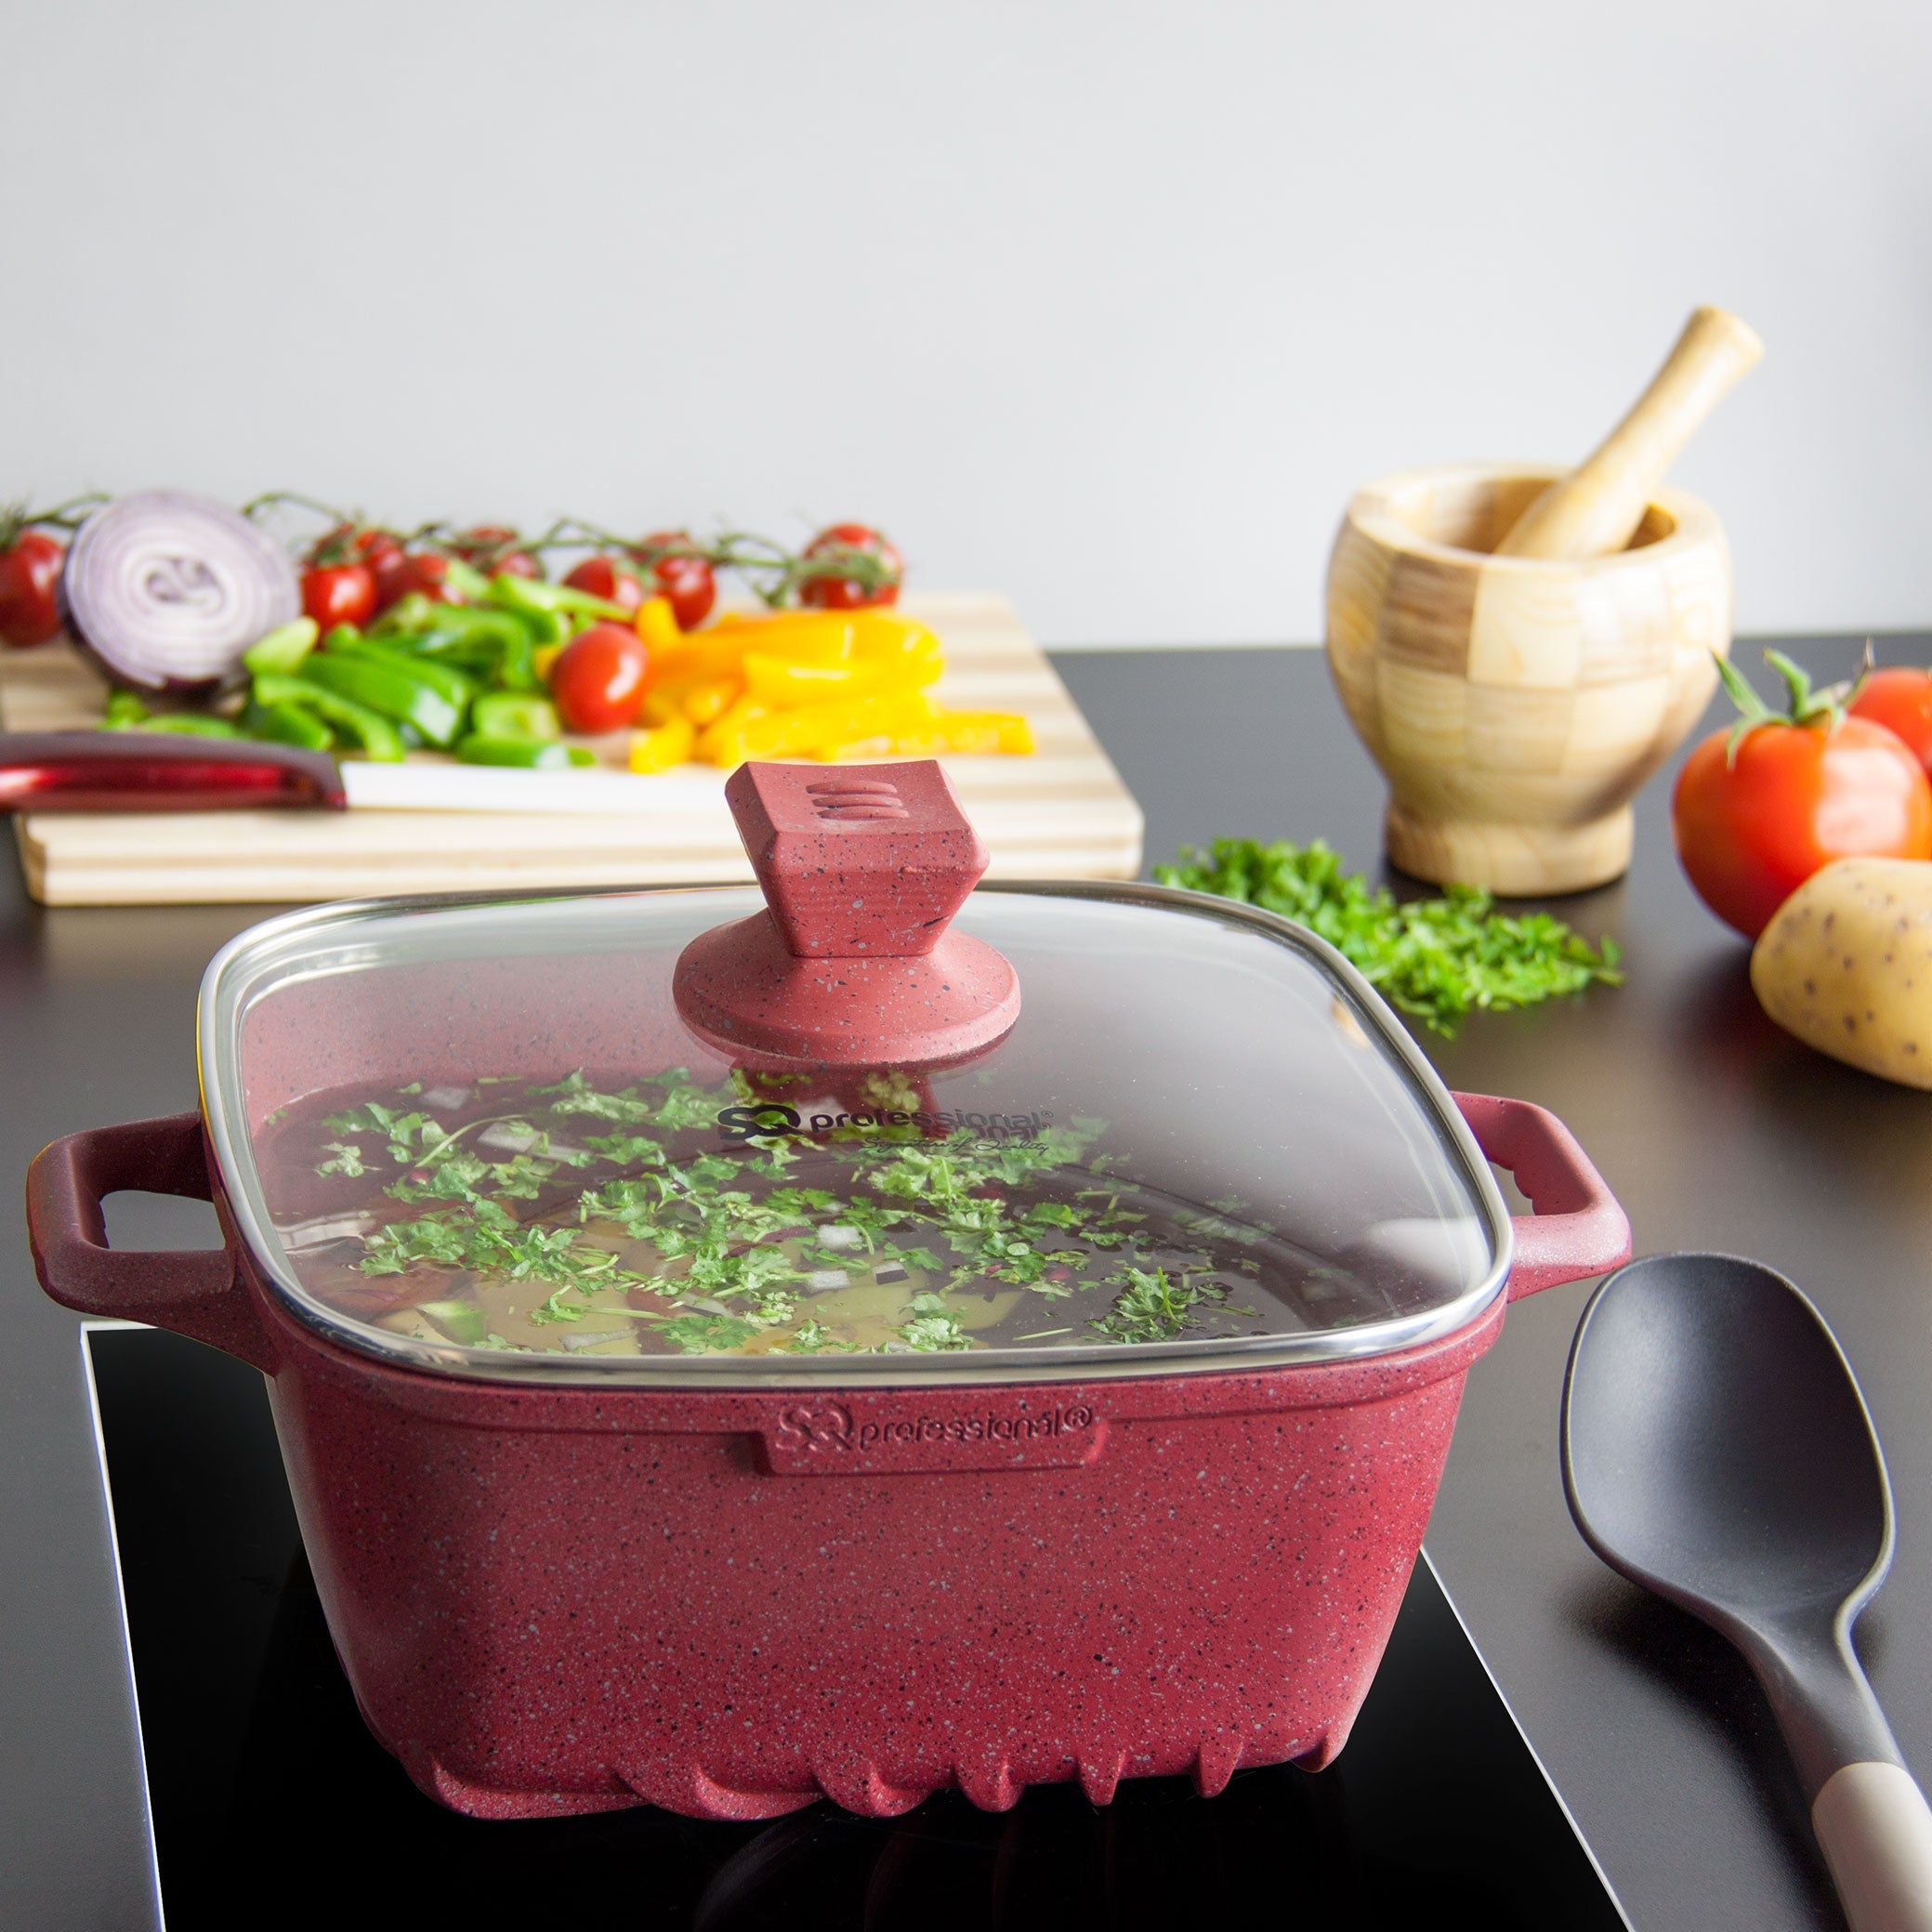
[515,1137]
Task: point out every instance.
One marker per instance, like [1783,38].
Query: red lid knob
[851,964]
[859,861]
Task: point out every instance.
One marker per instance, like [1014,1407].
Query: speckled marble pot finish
[730,1596]
[729,1604]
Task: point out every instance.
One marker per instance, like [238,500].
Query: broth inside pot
[604,1214]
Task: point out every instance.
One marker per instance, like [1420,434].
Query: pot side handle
[193,1291]
[1577,1230]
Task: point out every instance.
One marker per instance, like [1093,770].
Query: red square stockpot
[858,1357]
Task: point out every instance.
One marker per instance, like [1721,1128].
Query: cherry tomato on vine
[690,586]
[685,577]
[1762,805]
[607,578]
[429,573]
[598,680]
[339,593]
[495,548]
[367,548]
[873,580]
[30,577]
[1900,699]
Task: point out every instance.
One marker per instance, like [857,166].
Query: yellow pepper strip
[819,636]
[906,721]
[718,742]
[657,626]
[543,657]
[697,656]
[669,744]
[954,732]
[781,682]
[706,702]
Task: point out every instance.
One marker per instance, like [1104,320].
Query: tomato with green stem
[388,563]
[609,578]
[1763,804]
[30,578]
[31,562]
[682,572]
[848,567]
[495,550]
[339,593]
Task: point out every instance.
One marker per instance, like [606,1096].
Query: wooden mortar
[1516,703]
[1521,648]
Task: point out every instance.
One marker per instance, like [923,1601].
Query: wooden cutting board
[1061,813]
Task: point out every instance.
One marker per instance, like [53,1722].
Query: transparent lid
[480,1137]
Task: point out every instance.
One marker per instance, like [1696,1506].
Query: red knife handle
[157,771]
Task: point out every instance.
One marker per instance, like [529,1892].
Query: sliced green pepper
[124,711]
[450,623]
[465,579]
[391,687]
[516,669]
[406,615]
[530,753]
[289,723]
[528,593]
[371,732]
[499,645]
[283,647]
[514,715]
[444,678]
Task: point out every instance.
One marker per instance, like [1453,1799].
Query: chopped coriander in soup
[621,1217]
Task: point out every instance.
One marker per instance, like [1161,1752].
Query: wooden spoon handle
[1596,509]
[1876,1834]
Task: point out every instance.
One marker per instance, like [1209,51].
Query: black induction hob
[273,1806]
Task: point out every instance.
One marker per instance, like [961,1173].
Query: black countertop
[1716,1130]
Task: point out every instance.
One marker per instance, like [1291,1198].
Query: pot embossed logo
[802,1427]
[771,1118]
[829,1428]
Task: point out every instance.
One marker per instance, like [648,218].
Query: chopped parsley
[868,1240]
[1150,1307]
[1437,958]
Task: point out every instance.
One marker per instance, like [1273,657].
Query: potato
[1846,964]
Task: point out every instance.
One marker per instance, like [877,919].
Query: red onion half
[168,591]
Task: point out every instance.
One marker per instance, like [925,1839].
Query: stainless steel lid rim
[238,971]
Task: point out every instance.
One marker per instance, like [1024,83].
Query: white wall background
[1102,302]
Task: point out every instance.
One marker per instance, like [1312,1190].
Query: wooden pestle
[1596,509]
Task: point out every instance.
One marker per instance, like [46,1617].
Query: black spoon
[1717,1451]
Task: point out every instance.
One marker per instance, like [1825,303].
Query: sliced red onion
[168,591]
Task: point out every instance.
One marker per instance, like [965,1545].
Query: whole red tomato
[377,552]
[690,586]
[30,576]
[873,572]
[339,593]
[607,578]
[682,575]
[598,679]
[429,571]
[1899,699]
[1760,807]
